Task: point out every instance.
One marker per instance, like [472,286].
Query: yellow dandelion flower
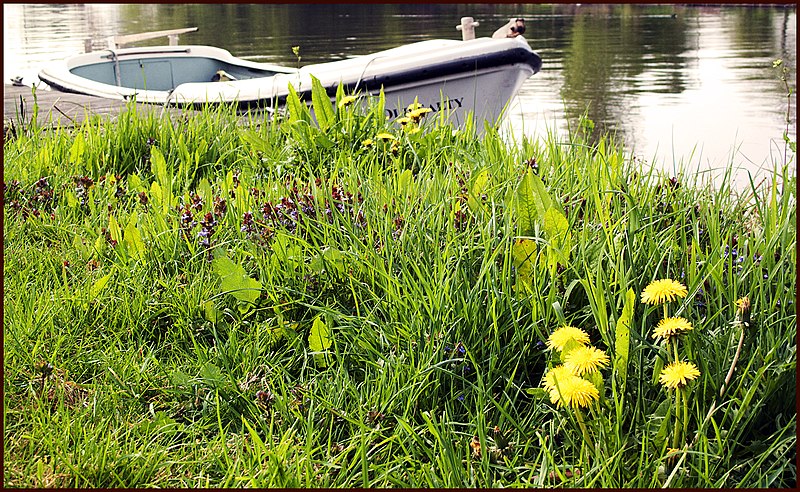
[417,114]
[557,374]
[404,120]
[575,392]
[367,143]
[559,338]
[670,327]
[678,374]
[661,291]
[412,129]
[583,360]
[346,101]
[413,106]
[743,305]
[385,136]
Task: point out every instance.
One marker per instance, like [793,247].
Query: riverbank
[359,303]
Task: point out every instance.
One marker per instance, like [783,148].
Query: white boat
[473,75]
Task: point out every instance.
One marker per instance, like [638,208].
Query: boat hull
[478,76]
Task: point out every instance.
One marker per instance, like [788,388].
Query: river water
[680,86]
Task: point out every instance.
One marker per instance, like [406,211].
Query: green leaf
[657,367]
[622,340]
[98,286]
[478,186]
[135,183]
[526,206]
[133,239]
[330,260]
[210,312]
[77,148]
[297,110]
[597,380]
[114,230]
[380,108]
[77,243]
[156,194]
[205,191]
[405,182]
[537,393]
[569,347]
[532,203]
[235,280]
[319,341]
[523,253]
[339,95]
[211,374]
[158,166]
[72,200]
[322,140]
[323,109]
[287,251]
[556,226]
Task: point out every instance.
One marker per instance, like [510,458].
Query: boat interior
[164,73]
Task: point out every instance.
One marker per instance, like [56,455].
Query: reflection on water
[679,85]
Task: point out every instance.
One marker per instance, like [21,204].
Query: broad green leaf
[665,409]
[210,312]
[211,374]
[323,110]
[537,393]
[319,340]
[235,280]
[77,243]
[158,166]
[622,339]
[556,226]
[339,95]
[72,200]
[657,367]
[100,244]
[133,239]
[331,260]
[297,110]
[135,183]
[98,286]
[526,206]
[597,380]
[114,230]
[205,191]
[405,182]
[286,250]
[478,186]
[568,347]
[77,148]
[322,140]
[156,194]
[541,197]
[523,253]
[380,109]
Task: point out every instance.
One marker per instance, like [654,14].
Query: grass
[200,303]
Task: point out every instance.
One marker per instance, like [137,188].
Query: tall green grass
[359,315]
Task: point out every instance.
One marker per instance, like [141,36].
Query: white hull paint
[478,76]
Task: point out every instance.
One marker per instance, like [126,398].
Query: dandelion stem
[733,363]
[723,387]
[685,416]
[675,434]
[584,430]
[675,348]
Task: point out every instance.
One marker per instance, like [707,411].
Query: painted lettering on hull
[449,103]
